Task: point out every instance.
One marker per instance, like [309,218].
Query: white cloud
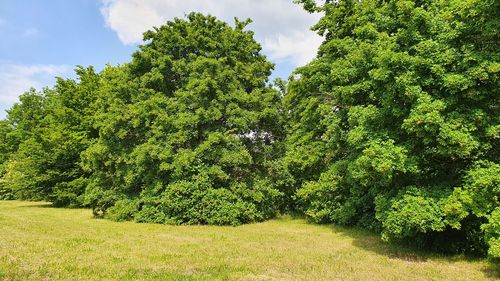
[301,46]
[281,26]
[16,79]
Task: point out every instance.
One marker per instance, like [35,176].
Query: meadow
[38,242]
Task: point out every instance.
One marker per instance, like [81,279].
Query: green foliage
[479,197]
[6,148]
[17,132]
[413,211]
[394,126]
[48,132]
[492,230]
[186,128]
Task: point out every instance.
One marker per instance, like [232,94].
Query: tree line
[393,127]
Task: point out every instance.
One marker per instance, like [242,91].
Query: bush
[123,210]
[492,231]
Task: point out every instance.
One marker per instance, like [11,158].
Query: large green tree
[22,120]
[47,131]
[6,149]
[395,125]
[189,130]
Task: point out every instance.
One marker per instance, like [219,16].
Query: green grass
[42,243]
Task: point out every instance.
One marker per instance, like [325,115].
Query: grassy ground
[42,243]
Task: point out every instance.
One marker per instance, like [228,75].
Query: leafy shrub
[414,210]
[492,230]
[123,210]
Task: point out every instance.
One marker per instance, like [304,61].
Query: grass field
[42,243]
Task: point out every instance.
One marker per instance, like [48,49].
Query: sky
[42,39]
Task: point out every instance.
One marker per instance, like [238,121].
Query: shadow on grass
[372,242]
[294,216]
[49,205]
[492,270]
[38,205]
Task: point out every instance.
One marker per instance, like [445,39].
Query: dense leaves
[45,133]
[188,130]
[399,115]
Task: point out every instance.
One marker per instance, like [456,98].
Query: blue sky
[43,39]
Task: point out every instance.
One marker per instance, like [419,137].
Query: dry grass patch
[40,243]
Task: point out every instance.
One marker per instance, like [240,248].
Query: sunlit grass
[42,243]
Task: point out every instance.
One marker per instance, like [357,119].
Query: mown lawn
[42,243]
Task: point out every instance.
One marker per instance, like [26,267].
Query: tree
[6,148]
[188,130]
[396,121]
[51,130]
[22,121]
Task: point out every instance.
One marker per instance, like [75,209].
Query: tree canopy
[188,129]
[395,125]
[45,133]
